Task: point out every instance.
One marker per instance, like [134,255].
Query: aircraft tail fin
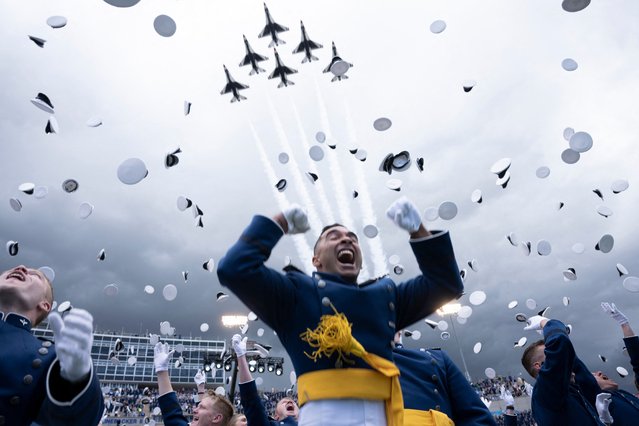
[305,60]
[285,83]
[314,58]
[238,98]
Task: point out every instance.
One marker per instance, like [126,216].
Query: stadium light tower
[451,310]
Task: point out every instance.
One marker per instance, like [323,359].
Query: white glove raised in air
[297,219]
[404,214]
[73,339]
[602,402]
[239,345]
[614,313]
[161,356]
[534,323]
[199,378]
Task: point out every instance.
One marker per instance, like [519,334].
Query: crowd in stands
[491,388]
[130,400]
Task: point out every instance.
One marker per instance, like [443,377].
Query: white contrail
[300,180]
[329,217]
[304,251]
[365,204]
[346,217]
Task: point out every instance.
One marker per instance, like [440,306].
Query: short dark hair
[324,229]
[529,357]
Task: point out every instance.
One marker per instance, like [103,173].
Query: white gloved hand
[602,403]
[199,378]
[404,214]
[73,339]
[614,313]
[239,345]
[534,323]
[161,356]
[297,219]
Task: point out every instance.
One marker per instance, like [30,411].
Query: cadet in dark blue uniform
[286,410]
[359,376]
[624,406]
[556,399]
[435,389]
[212,410]
[35,385]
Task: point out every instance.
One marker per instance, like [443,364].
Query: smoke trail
[329,217]
[304,250]
[300,180]
[366,205]
[346,217]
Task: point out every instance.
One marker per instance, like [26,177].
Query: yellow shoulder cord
[333,334]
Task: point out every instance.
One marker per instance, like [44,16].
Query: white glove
[615,314]
[534,323]
[602,403]
[404,214]
[297,219]
[199,378]
[239,345]
[161,356]
[73,339]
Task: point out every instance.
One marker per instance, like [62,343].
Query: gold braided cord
[333,334]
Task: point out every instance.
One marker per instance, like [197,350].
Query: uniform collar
[334,277]
[16,320]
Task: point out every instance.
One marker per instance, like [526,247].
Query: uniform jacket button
[389,287]
[326,301]
[46,344]
[321,283]
[28,379]
[43,351]
[391,324]
[436,392]
[36,363]
[434,377]
[438,408]
[14,400]
[391,306]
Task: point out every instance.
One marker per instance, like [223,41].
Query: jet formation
[306,46]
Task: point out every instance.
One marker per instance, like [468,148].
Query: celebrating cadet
[42,382]
[339,332]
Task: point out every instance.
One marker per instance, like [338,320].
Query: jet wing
[255,56]
[287,70]
[233,85]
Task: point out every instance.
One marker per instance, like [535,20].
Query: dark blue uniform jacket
[171,410]
[556,401]
[254,408]
[31,388]
[291,303]
[430,380]
[624,406]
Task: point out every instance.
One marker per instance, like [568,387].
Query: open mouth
[17,275]
[346,256]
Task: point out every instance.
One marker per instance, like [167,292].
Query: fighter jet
[338,66]
[233,86]
[272,28]
[281,71]
[252,58]
[306,45]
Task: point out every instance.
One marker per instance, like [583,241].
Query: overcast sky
[110,63]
